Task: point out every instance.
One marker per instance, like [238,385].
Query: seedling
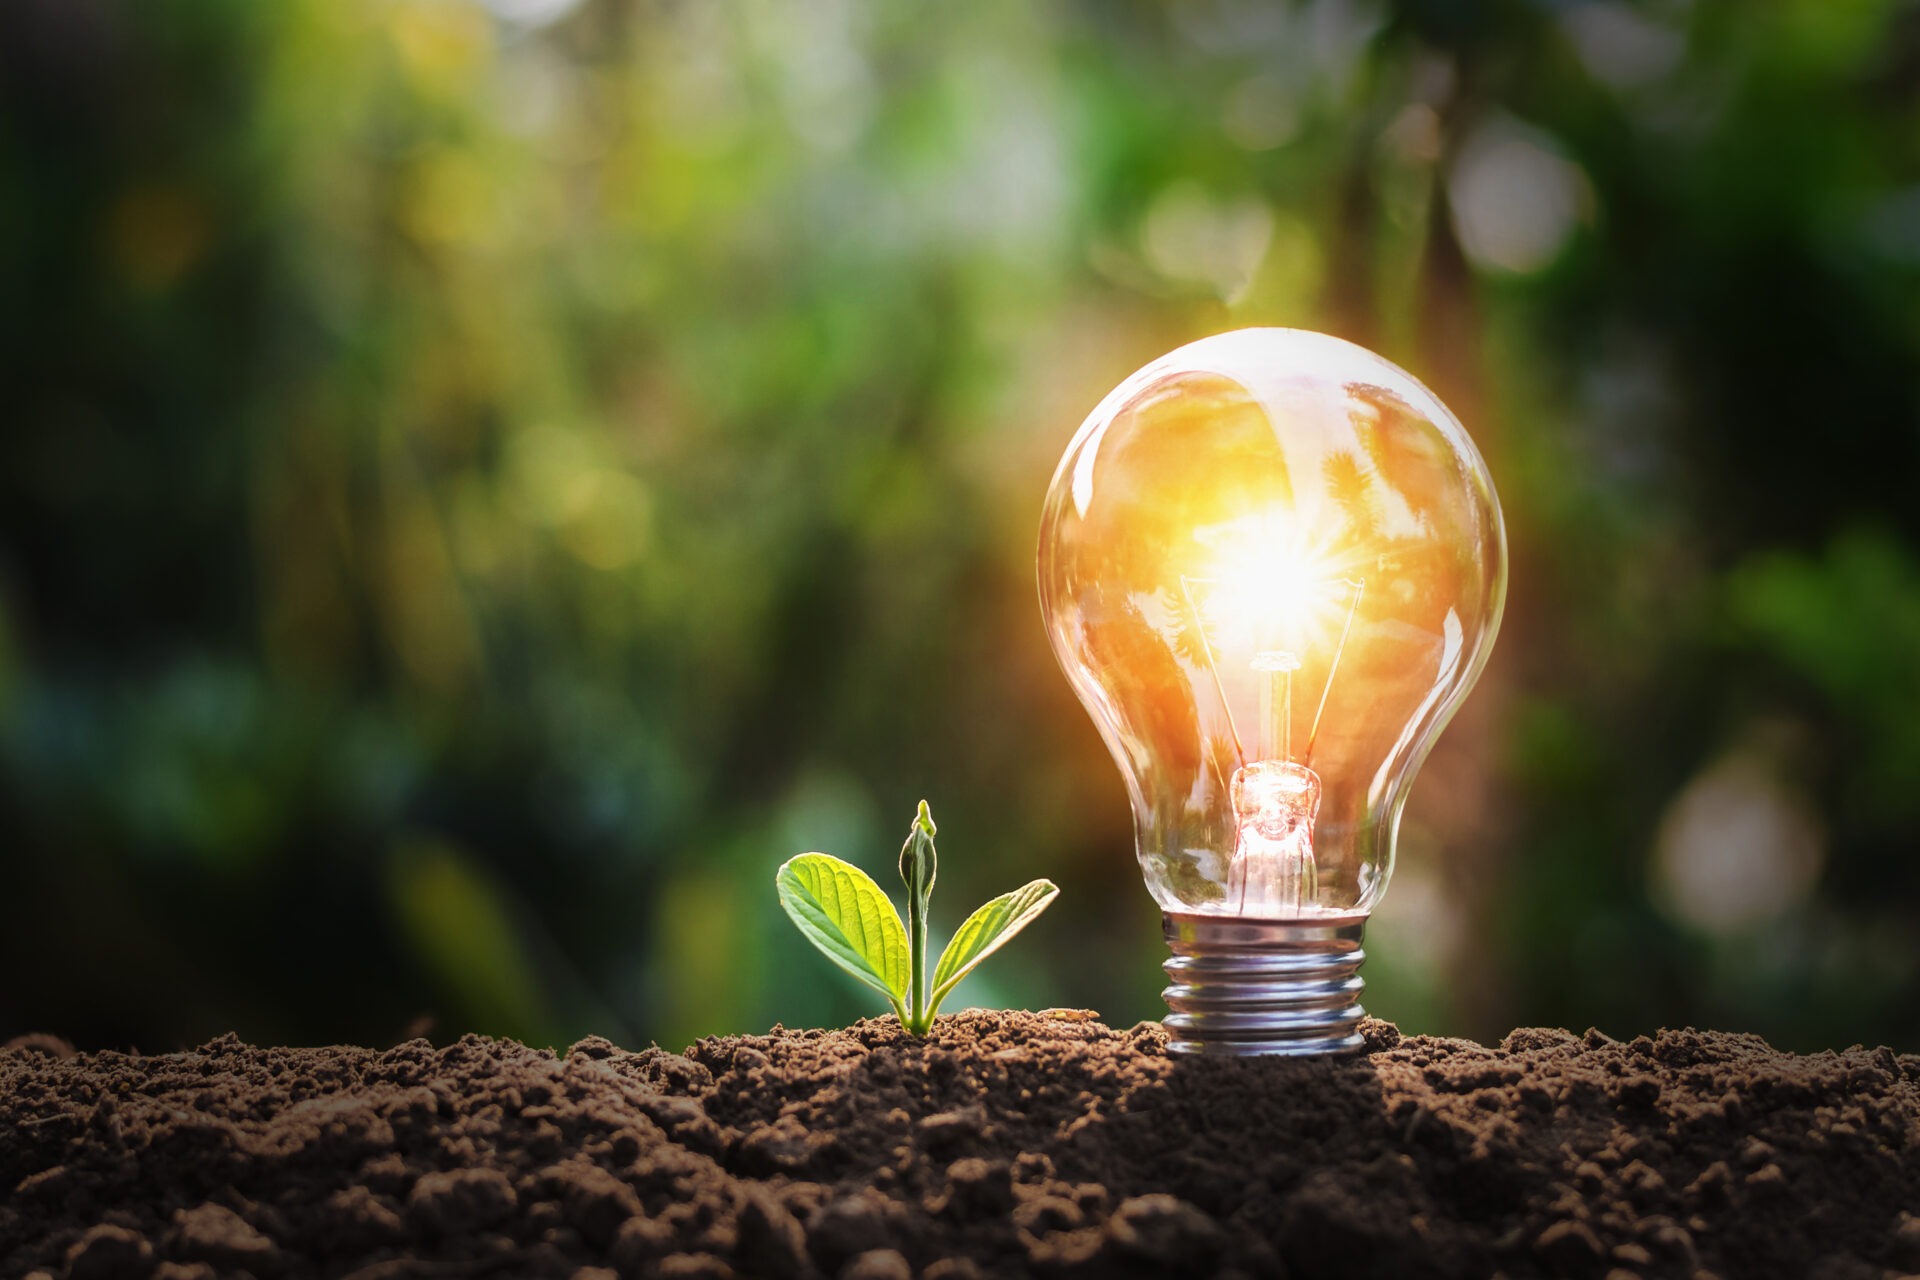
[844,913]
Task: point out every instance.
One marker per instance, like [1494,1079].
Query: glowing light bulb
[1272,565]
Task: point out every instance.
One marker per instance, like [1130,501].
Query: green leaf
[844,913]
[986,931]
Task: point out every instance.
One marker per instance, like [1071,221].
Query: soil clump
[1004,1144]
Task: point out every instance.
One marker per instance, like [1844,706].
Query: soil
[1004,1144]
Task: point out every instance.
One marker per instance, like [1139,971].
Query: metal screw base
[1248,987]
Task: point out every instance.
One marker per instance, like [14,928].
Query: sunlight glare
[1269,586]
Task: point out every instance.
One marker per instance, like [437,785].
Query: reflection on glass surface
[1272,565]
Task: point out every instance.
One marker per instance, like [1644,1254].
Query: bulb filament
[1276,799]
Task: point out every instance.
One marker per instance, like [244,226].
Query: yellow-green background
[481,485]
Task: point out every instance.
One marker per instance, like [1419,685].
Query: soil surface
[1004,1144]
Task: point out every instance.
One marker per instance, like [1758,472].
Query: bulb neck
[1243,988]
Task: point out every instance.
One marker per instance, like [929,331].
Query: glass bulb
[1272,565]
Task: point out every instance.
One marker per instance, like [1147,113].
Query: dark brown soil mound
[1005,1144]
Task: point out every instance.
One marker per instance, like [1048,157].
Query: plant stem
[918,1022]
[918,867]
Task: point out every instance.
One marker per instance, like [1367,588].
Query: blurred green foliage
[484,484]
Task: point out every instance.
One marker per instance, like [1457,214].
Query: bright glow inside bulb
[1272,564]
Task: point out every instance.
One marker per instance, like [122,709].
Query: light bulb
[1272,564]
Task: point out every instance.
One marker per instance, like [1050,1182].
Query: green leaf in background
[844,913]
[986,931]
[459,925]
